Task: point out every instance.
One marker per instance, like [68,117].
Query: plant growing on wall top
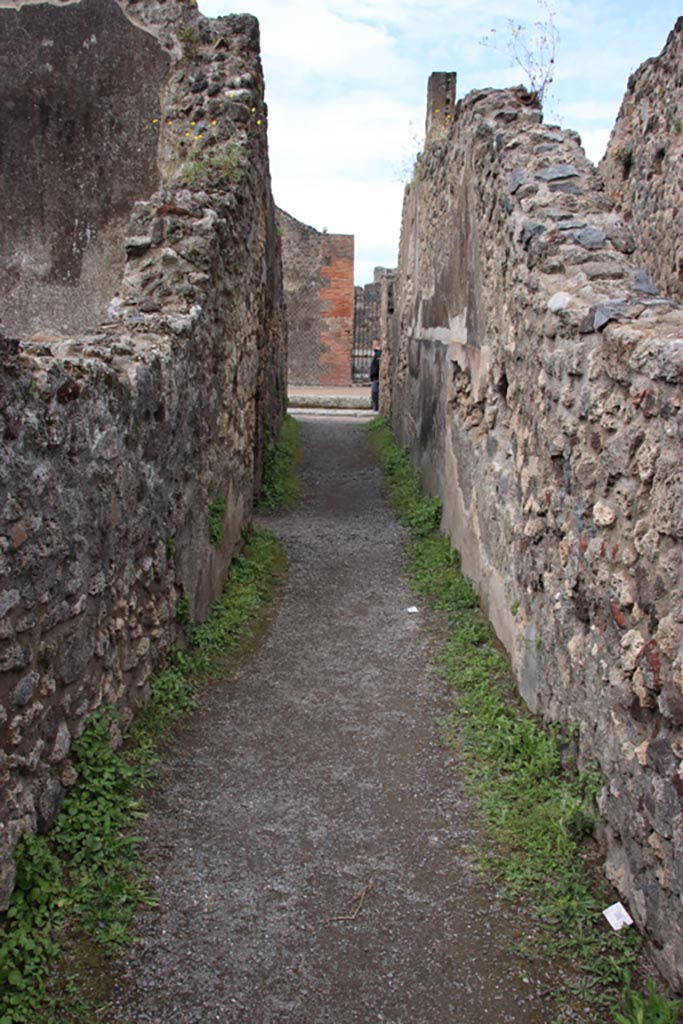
[533,50]
[225,164]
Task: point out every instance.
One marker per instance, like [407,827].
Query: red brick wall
[336,307]
[319,291]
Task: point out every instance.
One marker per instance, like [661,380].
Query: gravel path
[312,774]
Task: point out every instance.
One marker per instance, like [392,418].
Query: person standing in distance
[374,375]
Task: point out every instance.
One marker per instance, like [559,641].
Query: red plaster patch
[618,616]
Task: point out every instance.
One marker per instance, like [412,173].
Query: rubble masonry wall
[319,293]
[642,165]
[537,377]
[130,449]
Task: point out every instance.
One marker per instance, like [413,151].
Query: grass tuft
[220,165]
[650,1007]
[280,484]
[216,518]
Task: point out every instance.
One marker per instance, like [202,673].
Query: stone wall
[537,378]
[120,439]
[440,104]
[642,166]
[319,294]
[389,339]
[368,324]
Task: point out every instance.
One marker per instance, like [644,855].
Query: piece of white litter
[412,610]
[618,916]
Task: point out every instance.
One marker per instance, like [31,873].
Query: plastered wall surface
[116,439]
[536,374]
[65,200]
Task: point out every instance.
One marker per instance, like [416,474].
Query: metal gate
[366,326]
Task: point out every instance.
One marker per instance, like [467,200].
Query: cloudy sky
[346,88]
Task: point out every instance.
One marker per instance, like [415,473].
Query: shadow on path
[315,772]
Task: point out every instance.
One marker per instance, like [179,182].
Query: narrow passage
[313,774]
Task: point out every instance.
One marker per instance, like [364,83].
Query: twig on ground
[360,899]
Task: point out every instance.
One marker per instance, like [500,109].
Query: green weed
[280,482]
[30,943]
[78,888]
[421,514]
[216,513]
[182,612]
[651,1008]
[190,41]
[226,164]
[535,813]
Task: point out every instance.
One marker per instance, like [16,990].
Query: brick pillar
[336,308]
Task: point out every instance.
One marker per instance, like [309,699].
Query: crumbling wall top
[641,167]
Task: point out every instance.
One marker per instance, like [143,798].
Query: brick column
[336,307]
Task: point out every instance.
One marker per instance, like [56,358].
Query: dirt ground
[311,786]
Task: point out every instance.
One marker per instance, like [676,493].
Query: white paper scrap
[618,916]
[412,610]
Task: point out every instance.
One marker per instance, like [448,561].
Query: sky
[346,86]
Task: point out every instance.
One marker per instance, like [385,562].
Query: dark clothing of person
[374,391]
[374,380]
[374,365]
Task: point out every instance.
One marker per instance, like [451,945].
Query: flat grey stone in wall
[557,171]
[517,178]
[590,238]
[643,283]
[25,689]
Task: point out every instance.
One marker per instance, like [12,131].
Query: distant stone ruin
[330,323]
[536,374]
[319,295]
[142,360]
[373,303]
